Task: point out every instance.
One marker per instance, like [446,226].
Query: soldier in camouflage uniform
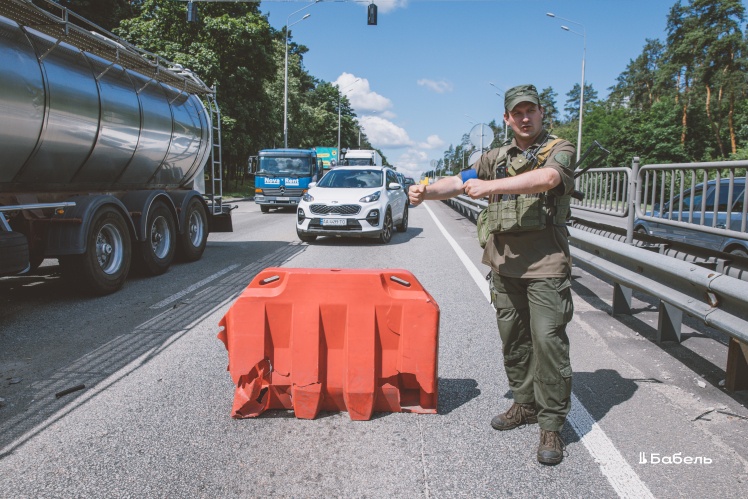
[528,182]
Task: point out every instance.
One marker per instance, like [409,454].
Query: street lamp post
[583,34]
[285,78]
[340,96]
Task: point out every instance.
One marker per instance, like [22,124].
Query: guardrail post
[621,299]
[632,200]
[737,366]
[669,323]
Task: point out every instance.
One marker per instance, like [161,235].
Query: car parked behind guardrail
[704,206]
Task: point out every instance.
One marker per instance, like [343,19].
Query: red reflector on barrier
[313,340]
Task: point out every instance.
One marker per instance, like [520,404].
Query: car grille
[335,209]
[352,225]
[293,193]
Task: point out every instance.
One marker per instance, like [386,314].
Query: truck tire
[14,253]
[156,252]
[103,268]
[264,208]
[191,243]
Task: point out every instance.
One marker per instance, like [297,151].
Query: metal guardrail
[705,195]
[606,191]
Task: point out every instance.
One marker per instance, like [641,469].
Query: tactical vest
[522,212]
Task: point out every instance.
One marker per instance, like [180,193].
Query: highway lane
[154,417]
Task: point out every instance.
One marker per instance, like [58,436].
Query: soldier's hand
[476,189]
[416,194]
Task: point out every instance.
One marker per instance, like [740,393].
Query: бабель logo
[677,458]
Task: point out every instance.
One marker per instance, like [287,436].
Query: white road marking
[192,288]
[621,476]
[613,466]
[480,279]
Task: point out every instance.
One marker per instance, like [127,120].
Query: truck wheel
[14,249]
[264,208]
[103,268]
[156,253]
[191,243]
[386,235]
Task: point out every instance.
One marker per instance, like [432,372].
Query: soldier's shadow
[597,393]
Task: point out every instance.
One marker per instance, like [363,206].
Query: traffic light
[371,17]
[191,12]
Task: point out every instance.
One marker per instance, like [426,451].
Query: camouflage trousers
[532,315]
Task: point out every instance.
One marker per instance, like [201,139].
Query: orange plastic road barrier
[313,340]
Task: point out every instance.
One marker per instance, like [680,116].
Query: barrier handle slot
[268,280]
[400,281]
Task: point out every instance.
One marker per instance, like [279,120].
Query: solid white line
[613,466]
[621,476]
[480,279]
[192,288]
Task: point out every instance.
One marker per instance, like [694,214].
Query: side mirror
[393,186]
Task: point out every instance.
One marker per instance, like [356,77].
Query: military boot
[551,448]
[517,415]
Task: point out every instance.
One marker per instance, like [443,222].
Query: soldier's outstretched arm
[445,188]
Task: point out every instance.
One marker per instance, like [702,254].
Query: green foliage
[548,101]
[573,96]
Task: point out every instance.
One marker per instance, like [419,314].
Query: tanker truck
[103,156]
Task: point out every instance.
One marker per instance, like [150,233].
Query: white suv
[363,201]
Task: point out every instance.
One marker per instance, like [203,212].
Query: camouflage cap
[520,93]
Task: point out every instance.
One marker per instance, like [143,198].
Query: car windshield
[358,161]
[693,198]
[354,179]
[284,166]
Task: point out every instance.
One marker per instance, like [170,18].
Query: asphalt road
[153,419]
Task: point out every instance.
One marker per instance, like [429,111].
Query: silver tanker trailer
[103,151]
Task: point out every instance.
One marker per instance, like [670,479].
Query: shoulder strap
[500,163]
[545,151]
[501,158]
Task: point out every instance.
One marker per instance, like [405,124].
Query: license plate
[333,221]
[282,198]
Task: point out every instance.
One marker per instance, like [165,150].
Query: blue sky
[428,63]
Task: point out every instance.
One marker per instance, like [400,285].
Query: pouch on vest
[524,213]
[488,222]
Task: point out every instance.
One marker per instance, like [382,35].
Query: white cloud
[362,98]
[384,6]
[439,87]
[382,133]
[432,142]
[412,162]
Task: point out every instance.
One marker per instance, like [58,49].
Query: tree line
[683,99]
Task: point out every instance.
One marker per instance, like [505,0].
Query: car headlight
[307,197]
[371,197]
